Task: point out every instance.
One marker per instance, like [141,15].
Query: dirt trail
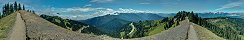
[184,31]
[18,30]
[38,28]
[192,34]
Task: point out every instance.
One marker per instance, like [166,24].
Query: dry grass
[5,25]
[38,28]
[205,34]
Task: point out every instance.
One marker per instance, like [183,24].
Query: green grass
[242,36]
[157,29]
[222,23]
[5,25]
[232,28]
[205,34]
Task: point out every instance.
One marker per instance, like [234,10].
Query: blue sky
[83,9]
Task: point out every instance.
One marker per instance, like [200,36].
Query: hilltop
[6,24]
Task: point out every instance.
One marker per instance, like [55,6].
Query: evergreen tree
[19,7]
[11,9]
[1,15]
[33,11]
[3,9]
[23,7]
[6,8]
[15,6]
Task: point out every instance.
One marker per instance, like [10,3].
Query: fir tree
[19,7]
[15,6]
[23,7]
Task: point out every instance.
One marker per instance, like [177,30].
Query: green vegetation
[10,8]
[151,27]
[72,25]
[225,32]
[205,34]
[7,18]
[232,27]
[228,28]
[5,25]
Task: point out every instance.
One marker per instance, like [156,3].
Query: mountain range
[113,23]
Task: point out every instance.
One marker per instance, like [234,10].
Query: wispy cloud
[88,5]
[145,3]
[80,13]
[231,5]
[101,1]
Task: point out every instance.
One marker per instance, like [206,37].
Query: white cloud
[145,3]
[88,5]
[78,13]
[101,1]
[231,5]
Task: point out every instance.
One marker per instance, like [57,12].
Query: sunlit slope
[180,32]
[41,29]
[5,25]
[205,34]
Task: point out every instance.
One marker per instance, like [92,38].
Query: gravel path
[192,33]
[177,33]
[205,34]
[18,30]
[184,31]
[41,29]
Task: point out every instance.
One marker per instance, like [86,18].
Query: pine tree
[3,9]
[1,15]
[23,7]
[15,8]
[11,9]
[6,9]
[33,11]
[19,7]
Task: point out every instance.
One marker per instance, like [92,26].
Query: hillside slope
[40,29]
[111,24]
[18,31]
[72,25]
[229,28]
[185,31]
[6,24]
[205,34]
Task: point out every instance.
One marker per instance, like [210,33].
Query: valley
[116,21]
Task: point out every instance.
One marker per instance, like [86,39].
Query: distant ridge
[116,22]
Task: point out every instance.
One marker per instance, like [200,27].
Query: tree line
[9,8]
[226,32]
[72,25]
[143,27]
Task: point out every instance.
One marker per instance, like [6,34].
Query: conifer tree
[23,7]
[15,6]
[19,7]
[33,11]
